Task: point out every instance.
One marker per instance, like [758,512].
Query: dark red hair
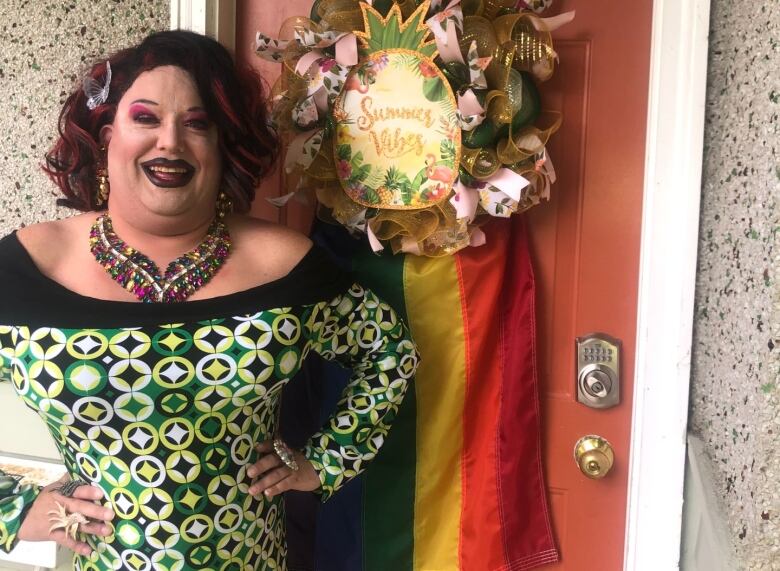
[232,96]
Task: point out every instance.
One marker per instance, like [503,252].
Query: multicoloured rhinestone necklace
[140,276]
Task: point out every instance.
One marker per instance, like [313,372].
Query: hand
[278,478]
[36,524]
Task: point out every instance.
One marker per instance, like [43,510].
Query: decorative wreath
[415,121]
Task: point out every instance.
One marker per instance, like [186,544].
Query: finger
[265,447]
[89,493]
[88,509]
[96,528]
[279,487]
[270,479]
[79,547]
[267,462]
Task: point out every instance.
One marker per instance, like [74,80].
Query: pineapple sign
[391,152]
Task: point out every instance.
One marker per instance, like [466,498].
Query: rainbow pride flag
[458,484]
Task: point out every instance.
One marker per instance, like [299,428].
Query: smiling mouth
[168,174]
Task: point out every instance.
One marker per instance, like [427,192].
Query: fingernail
[109,515]
[250,472]
[252,491]
[268,493]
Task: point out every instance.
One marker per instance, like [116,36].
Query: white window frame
[215,18]
[669,245]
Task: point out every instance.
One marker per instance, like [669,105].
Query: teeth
[168,169]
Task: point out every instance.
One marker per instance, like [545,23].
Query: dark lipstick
[166,173]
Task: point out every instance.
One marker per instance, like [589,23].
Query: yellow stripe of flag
[433,304]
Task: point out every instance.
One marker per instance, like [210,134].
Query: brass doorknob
[594,456]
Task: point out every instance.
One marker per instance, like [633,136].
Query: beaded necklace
[139,275]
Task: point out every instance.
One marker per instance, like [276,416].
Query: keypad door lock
[598,370]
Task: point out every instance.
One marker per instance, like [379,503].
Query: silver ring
[285,454]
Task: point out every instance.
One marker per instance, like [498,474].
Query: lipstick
[167,173]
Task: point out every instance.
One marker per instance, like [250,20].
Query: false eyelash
[97,94]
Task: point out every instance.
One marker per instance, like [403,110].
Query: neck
[162,242]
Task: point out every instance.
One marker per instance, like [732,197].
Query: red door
[585,244]
[586,259]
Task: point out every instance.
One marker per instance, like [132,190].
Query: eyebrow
[150,102]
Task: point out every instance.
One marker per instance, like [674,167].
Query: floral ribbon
[471,113]
[499,195]
[325,80]
[445,26]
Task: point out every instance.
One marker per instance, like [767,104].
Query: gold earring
[101,175]
[224,205]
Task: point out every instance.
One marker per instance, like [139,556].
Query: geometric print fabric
[164,420]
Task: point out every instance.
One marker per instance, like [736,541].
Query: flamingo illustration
[440,173]
[354,84]
[438,192]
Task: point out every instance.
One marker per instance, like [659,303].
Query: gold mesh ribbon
[427,231]
[528,142]
[526,37]
[341,15]
[493,8]
[480,163]
[407,7]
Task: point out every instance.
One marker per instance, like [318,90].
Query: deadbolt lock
[598,370]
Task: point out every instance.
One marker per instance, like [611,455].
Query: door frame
[667,283]
[669,246]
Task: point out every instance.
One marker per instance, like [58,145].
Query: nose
[169,138]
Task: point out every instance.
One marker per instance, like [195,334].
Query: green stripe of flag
[389,482]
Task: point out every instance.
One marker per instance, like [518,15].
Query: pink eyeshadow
[197,116]
[137,109]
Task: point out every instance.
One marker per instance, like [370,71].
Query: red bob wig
[233,98]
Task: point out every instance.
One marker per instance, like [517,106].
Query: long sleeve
[15,498]
[363,333]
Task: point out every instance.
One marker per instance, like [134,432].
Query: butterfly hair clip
[97,94]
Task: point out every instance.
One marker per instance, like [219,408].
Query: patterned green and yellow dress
[161,405]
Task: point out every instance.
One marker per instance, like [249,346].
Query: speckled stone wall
[44,48]
[735,395]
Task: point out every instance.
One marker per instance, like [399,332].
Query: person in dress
[153,333]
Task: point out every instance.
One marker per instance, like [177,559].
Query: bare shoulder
[271,248]
[51,243]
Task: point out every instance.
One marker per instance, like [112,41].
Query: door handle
[594,456]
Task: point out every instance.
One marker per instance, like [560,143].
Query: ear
[105,134]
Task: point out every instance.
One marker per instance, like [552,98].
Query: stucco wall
[44,48]
[735,396]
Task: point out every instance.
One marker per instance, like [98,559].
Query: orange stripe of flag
[481,274]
